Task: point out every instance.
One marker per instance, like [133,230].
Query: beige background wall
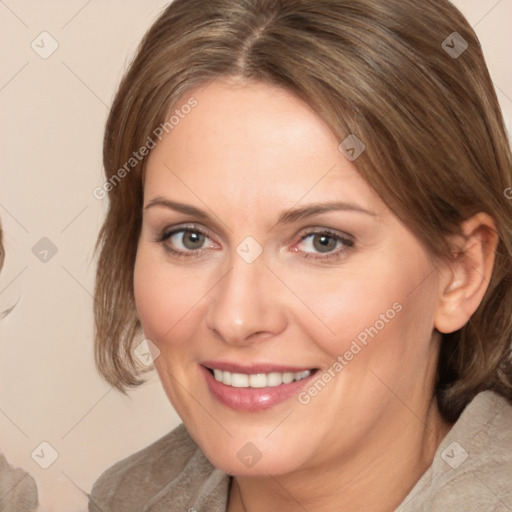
[52,113]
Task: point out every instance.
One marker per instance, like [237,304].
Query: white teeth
[274,379]
[258,380]
[239,380]
[288,377]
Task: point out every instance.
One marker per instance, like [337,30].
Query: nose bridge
[242,304]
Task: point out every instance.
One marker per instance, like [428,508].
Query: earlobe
[467,276]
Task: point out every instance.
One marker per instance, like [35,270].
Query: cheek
[171,300]
[353,310]
[149,289]
[161,296]
[161,302]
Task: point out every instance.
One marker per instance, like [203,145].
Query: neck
[372,479]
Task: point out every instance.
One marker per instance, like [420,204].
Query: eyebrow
[179,207]
[295,214]
[287,217]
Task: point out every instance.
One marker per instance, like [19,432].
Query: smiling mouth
[258,380]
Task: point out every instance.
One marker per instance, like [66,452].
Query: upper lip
[253,368]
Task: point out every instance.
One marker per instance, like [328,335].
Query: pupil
[324,243]
[193,240]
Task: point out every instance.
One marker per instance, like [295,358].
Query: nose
[245,305]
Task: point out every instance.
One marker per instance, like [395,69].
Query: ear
[466,277]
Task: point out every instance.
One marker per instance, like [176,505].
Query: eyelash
[166,234]
[346,241]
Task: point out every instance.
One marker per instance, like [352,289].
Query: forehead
[248,144]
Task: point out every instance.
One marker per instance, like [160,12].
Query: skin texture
[247,153]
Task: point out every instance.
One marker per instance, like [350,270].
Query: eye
[324,245]
[185,241]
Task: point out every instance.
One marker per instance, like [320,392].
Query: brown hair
[436,147]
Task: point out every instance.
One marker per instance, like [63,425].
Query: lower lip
[252,399]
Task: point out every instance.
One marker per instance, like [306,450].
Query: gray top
[471,471]
[18,490]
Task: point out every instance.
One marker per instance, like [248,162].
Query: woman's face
[265,257]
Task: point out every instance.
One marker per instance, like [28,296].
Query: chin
[253,454]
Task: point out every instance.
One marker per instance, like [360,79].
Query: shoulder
[18,490]
[171,470]
[472,468]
